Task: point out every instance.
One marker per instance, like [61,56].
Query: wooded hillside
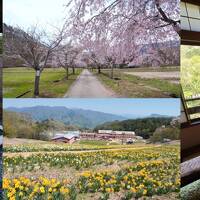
[143,127]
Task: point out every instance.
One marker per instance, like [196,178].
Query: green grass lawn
[17,81]
[133,86]
[93,142]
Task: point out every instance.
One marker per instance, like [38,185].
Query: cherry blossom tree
[96,49]
[66,56]
[102,26]
[34,47]
[73,54]
[62,58]
[111,33]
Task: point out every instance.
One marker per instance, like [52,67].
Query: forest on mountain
[144,127]
[17,125]
[22,125]
[163,133]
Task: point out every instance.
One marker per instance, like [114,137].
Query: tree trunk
[73,70]
[111,73]
[37,83]
[67,73]
[99,69]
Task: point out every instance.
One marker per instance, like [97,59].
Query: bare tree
[34,47]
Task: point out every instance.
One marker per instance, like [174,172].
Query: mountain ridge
[69,116]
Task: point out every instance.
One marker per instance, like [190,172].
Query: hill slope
[77,117]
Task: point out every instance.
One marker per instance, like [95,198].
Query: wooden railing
[192,110]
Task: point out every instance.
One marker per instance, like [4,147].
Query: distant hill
[144,127]
[76,117]
[159,116]
[136,116]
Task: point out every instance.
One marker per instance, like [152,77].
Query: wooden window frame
[190,37]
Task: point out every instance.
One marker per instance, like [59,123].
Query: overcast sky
[25,13]
[120,106]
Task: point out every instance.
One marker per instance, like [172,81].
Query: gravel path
[88,86]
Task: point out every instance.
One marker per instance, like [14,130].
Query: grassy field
[134,86]
[17,81]
[110,172]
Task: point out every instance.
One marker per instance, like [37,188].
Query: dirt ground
[66,172]
[18,141]
[120,195]
[170,76]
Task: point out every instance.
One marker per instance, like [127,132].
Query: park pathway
[88,86]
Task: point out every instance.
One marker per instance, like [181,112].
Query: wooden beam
[195,2]
[190,37]
[192,99]
[184,104]
[195,121]
[191,43]
[194,110]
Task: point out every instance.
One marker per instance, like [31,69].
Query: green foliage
[73,193]
[105,196]
[142,127]
[172,133]
[50,125]
[189,51]
[190,72]
[17,125]
[128,196]
[22,126]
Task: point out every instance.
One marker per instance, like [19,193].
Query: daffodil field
[144,178]
[59,147]
[42,188]
[134,172]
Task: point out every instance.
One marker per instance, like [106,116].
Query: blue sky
[25,13]
[120,106]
